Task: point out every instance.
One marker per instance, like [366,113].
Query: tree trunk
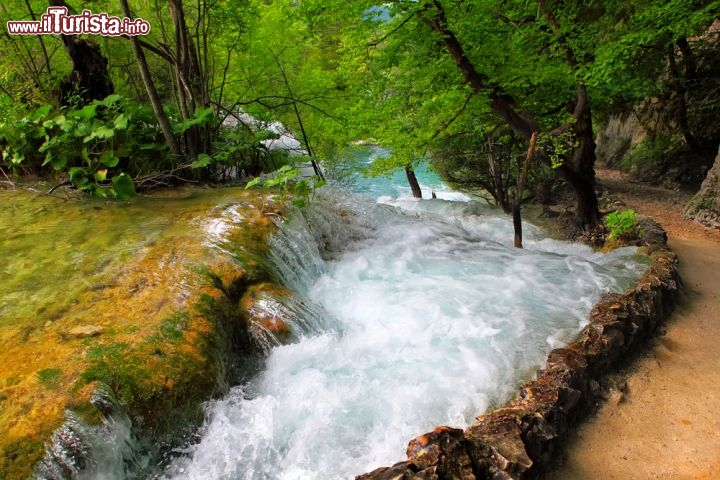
[580,173]
[89,79]
[587,213]
[498,191]
[192,84]
[412,180]
[517,199]
[517,222]
[155,101]
[678,84]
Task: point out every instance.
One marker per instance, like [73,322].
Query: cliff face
[671,137]
[705,205]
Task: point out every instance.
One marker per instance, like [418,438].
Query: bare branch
[378,41]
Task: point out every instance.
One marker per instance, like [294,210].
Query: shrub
[94,144]
[621,224]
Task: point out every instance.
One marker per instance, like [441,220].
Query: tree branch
[378,41]
[500,102]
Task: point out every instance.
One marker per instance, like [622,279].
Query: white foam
[432,317]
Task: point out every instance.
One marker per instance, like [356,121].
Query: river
[424,315]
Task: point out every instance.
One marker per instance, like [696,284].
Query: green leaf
[103,192]
[48,144]
[121,122]
[110,100]
[201,117]
[87,112]
[58,163]
[100,132]
[42,111]
[109,159]
[254,182]
[79,177]
[123,186]
[203,160]
[101,175]
[17,158]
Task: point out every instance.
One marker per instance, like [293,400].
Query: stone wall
[525,438]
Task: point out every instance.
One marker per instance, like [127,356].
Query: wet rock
[267,316]
[444,450]
[86,331]
[496,440]
[400,471]
[275,327]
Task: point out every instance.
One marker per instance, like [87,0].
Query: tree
[89,79]
[427,72]
[155,101]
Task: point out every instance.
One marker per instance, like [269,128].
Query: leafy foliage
[287,180]
[622,224]
[88,143]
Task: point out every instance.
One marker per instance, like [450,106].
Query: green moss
[172,327]
[50,377]
[170,336]
[19,457]
[86,412]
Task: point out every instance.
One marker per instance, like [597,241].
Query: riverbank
[119,315]
[663,421]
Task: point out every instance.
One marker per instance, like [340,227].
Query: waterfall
[428,316]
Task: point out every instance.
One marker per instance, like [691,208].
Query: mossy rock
[165,325]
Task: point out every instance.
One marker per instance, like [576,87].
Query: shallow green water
[52,248]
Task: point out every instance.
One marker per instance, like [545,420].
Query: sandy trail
[667,425]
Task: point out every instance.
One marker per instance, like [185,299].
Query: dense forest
[463,85]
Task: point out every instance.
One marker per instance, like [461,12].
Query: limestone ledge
[124,371]
[524,439]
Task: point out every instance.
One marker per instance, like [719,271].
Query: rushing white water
[431,318]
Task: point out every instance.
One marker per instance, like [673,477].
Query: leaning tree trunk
[152,92]
[413,181]
[577,171]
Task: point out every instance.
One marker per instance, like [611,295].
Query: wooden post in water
[517,198]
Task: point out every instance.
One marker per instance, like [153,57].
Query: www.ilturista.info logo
[57,21]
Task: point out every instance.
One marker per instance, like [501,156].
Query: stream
[423,314]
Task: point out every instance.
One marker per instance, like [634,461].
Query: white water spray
[431,318]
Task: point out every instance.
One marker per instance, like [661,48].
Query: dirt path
[667,424]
